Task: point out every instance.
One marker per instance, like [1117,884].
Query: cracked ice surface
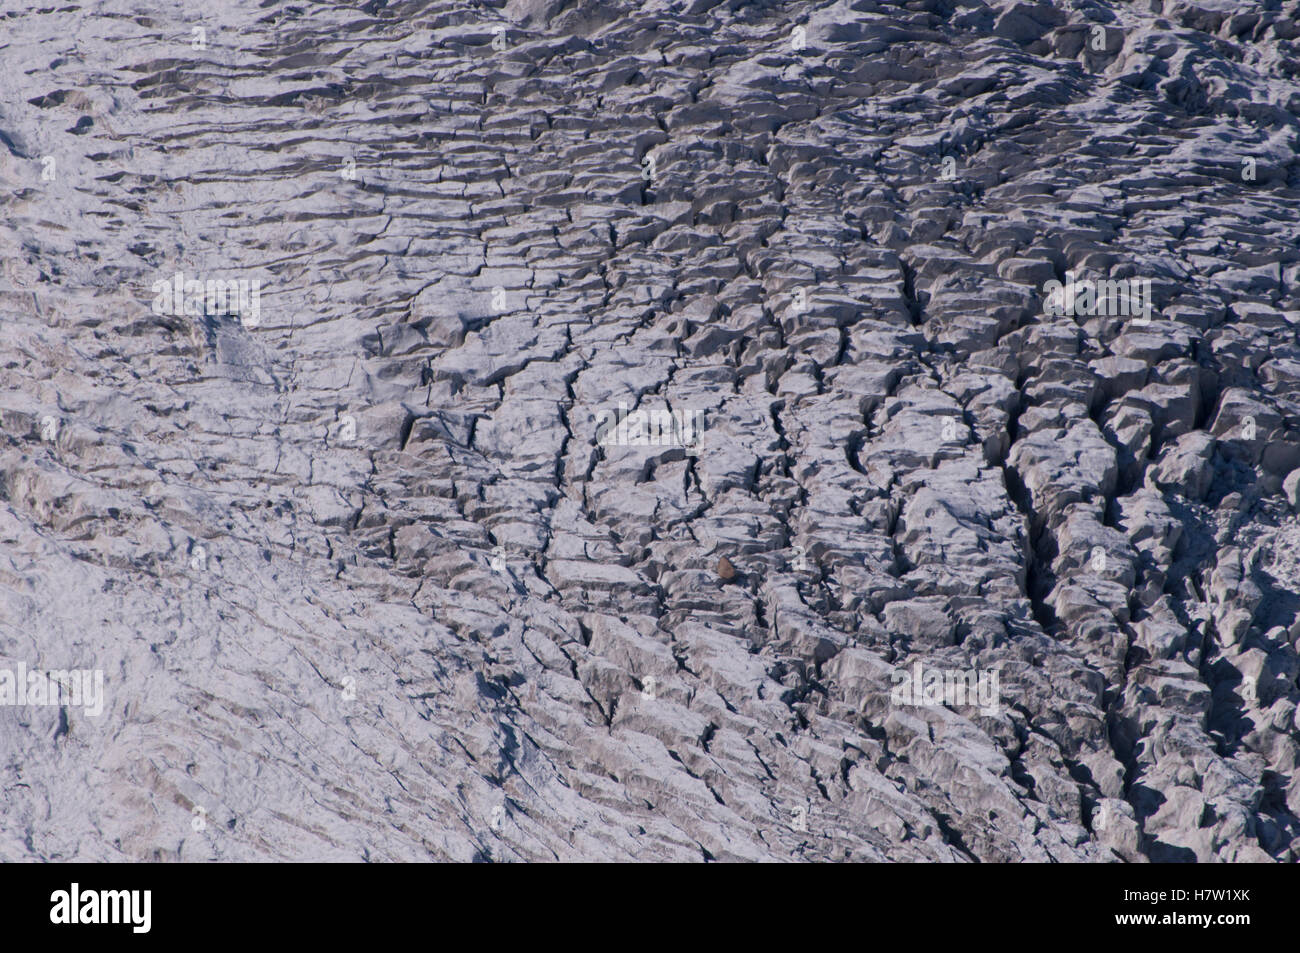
[386,573]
